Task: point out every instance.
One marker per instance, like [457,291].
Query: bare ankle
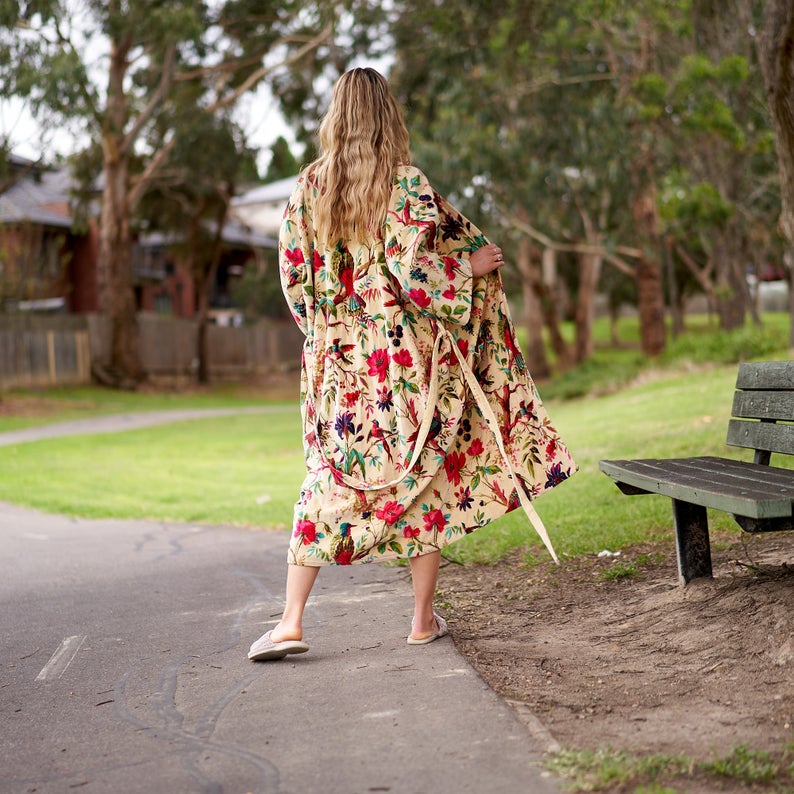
[285,631]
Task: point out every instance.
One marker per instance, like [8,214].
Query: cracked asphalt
[124,669]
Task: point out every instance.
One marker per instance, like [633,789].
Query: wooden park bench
[760,496]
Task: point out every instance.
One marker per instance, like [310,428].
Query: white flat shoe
[265,649]
[442,632]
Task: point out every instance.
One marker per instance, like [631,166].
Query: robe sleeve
[438,282]
[295,254]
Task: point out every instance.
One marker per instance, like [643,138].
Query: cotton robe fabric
[400,459]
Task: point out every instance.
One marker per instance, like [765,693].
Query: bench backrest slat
[766,375]
[761,435]
[775,405]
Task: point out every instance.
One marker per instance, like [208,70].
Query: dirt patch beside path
[611,652]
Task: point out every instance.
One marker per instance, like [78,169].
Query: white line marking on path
[61,659]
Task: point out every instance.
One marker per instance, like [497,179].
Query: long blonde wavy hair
[362,139]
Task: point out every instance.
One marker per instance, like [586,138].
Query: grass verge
[621,771]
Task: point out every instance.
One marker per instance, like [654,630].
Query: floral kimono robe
[420,420]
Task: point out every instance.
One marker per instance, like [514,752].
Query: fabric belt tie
[424,430]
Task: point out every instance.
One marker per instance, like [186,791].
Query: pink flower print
[402,358]
[449,293]
[390,512]
[379,363]
[411,532]
[419,297]
[453,464]
[435,520]
[307,529]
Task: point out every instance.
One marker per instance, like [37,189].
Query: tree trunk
[650,287]
[730,292]
[550,299]
[776,56]
[650,306]
[117,296]
[537,360]
[589,273]
[114,277]
[205,278]
[676,304]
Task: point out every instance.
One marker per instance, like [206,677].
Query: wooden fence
[43,351]
[38,351]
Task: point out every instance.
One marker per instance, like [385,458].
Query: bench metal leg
[692,541]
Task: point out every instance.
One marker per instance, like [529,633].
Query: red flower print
[419,297]
[453,463]
[317,261]
[344,557]
[551,448]
[390,512]
[450,266]
[411,532]
[476,448]
[379,363]
[449,293]
[435,520]
[351,398]
[402,358]
[294,256]
[307,529]
[463,347]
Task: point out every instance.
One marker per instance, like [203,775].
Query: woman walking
[420,421]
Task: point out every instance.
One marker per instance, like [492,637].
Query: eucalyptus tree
[111,68]
[530,112]
[718,195]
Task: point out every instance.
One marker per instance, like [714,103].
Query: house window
[148,262]
[50,257]
[162,303]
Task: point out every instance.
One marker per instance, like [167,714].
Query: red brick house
[48,265]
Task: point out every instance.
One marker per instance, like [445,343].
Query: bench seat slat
[766,375]
[732,486]
[778,406]
[761,435]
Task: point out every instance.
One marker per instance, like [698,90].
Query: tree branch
[256,76]
[141,182]
[577,248]
[155,99]
[234,65]
[700,273]
[535,86]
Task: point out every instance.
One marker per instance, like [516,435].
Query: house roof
[273,192]
[233,234]
[42,197]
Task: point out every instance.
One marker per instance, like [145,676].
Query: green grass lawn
[247,470]
[240,470]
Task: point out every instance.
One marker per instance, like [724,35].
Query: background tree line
[644,149]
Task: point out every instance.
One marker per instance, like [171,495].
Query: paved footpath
[123,669]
